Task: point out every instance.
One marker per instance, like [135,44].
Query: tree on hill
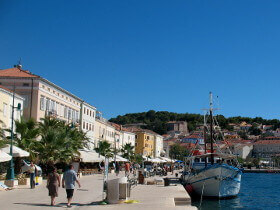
[156,121]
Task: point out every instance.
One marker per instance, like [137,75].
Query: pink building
[42,97]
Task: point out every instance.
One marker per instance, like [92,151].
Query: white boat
[219,180]
[212,173]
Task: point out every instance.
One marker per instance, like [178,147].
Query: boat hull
[219,181]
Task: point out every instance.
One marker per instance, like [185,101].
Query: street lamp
[11,170]
[115,152]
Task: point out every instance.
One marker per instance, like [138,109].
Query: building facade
[41,97]
[6,108]
[144,143]
[180,127]
[128,138]
[158,145]
[104,131]
[266,148]
[87,124]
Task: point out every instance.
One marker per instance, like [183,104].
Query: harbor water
[258,191]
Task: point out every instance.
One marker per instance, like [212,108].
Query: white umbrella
[160,160]
[167,159]
[4,157]
[88,156]
[17,152]
[118,159]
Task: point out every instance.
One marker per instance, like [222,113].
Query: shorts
[69,193]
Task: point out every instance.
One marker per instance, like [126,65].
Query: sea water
[258,191]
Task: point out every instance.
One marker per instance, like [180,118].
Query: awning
[118,159]
[167,159]
[17,152]
[153,160]
[88,156]
[158,160]
[4,157]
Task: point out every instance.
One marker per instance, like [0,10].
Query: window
[42,103]
[136,136]
[47,104]
[78,116]
[25,84]
[61,110]
[90,127]
[84,110]
[148,137]
[87,111]
[49,89]
[84,125]
[90,113]
[69,113]
[87,126]
[65,111]
[5,109]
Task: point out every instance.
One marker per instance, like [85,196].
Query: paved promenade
[88,197]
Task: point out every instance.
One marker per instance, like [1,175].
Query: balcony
[51,113]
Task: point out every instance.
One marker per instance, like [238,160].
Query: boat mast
[205,138]
[211,128]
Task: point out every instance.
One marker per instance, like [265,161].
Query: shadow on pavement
[38,204]
[96,203]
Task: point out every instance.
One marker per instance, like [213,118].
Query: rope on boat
[201,197]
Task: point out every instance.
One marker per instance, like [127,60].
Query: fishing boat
[209,172]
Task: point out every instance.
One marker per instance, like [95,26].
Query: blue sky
[133,56]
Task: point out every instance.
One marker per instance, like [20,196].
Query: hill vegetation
[156,121]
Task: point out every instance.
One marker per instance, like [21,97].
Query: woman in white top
[32,171]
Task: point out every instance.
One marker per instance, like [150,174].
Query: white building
[128,137]
[6,108]
[243,150]
[88,113]
[158,147]
[104,131]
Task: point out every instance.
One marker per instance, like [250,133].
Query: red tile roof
[2,87]
[16,72]
[267,142]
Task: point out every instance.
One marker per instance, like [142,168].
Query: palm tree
[127,151]
[137,158]
[3,141]
[104,149]
[26,134]
[59,141]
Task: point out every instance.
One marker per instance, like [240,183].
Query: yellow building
[144,142]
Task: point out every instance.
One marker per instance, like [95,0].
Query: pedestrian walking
[32,172]
[127,168]
[117,168]
[53,183]
[68,181]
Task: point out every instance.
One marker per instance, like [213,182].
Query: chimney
[19,66]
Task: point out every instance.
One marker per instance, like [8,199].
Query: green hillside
[156,121]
